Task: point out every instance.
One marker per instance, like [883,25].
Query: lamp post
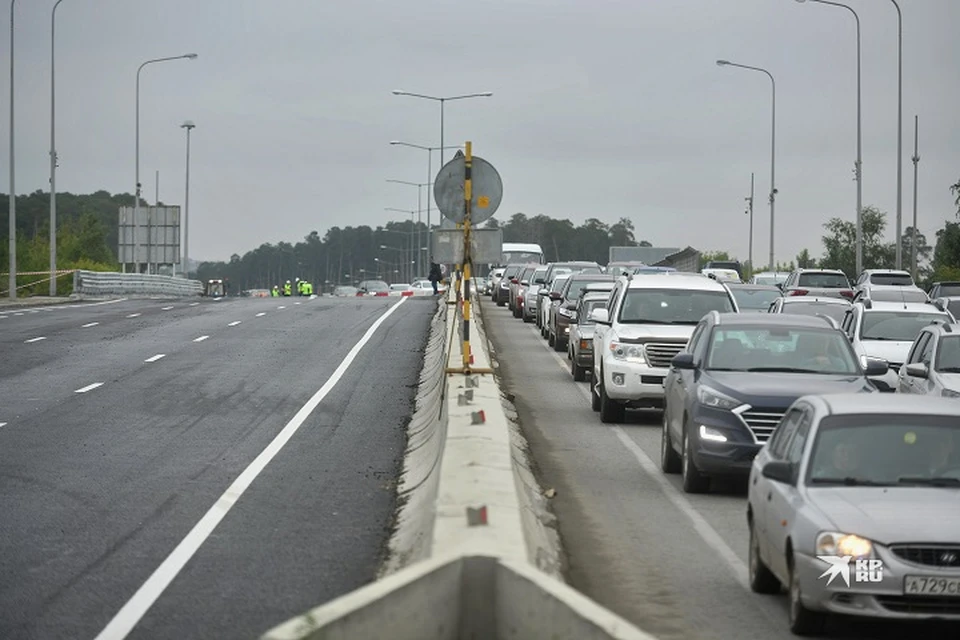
[12,202]
[430,151]
[410,240]
[773,148]
[136,201]
[750,213]
[899,134]
[858,166]
[53,154]
[418,185]
[442,100]
[916,168]
[188,125]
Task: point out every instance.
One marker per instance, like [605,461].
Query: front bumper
[733,457]
[882,599]
[636,385]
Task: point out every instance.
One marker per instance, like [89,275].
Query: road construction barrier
[98,283]
[475,553]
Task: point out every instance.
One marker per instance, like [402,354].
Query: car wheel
[762,579]
[611,411]
[579,373]
[550,340]
[501,303]
[558,345]
[693,480]
[526,318]
[669,460]
[594,390]
[803,621]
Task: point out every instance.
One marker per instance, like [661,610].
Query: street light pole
[136,201]
[899,134]
[773,148]
[858,166]
[184,268]
[53,154]
[750,212]
[442,100]
[12,201]
[916,161]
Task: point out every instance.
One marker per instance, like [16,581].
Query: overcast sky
[601,109]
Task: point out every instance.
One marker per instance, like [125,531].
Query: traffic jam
[836,403]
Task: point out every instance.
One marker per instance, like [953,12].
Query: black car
[726,393]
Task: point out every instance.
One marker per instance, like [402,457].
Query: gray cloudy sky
[601,109]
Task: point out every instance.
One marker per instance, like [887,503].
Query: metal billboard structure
[152,243]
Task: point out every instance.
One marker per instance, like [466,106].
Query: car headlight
[950,393]
[632,353]
[835,543]
[714,435]
[713,398]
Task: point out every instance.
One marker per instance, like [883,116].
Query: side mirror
[514,281]
[918,370]
[876,367]
[554,295]
[600,316]
[780,286]
[778,471]
[683,360]
[542,292]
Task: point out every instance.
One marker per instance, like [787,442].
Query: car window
[948,290]
[926,352]
[918,346]
[822,280]
[799,440]
[575,286]
[780,438]
[948,354]
[559,283]
[892,279]
[695,337]
[835,311]
[786,349]
[587,307]
[897,326]
[898,295]
[671,306]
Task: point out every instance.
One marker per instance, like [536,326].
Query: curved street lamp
[442,100]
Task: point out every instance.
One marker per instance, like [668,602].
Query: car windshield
[835,311]
[898,295]
[559,272]
[538,275]
[892,279]
[577,285]
[882,449]
[754,299]
[527,274]
[897,326]
[511,272]
[672,306]
[768,279]
[558,283]
[781,349]
[948,290]
[820,280]
[520,256]
[948,354]
[587,308]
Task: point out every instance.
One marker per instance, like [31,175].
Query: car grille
[921,604]
[762,423]
[934,556]
[659,354]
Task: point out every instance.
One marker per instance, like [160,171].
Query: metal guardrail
[98,283]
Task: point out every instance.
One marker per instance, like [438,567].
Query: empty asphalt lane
[97,491]
[671,563]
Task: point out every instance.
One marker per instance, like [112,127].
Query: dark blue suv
[727,391]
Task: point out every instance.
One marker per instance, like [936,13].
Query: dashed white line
[261,314]
[166,308]
[193,304]
[3,424]
[234,323]
[89,324]
[281,307]
[155,358]
[36,339]
[18,314]
[138,605]
[296,303]
[133,315]
[201,338]
[89,387]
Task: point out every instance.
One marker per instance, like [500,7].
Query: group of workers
[302,287]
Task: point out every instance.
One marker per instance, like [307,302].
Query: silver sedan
[854,506]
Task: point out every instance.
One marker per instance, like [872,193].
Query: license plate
[931,586]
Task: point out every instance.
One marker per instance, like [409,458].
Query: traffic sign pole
[467,202]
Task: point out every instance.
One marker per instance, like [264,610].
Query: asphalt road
[100,484]
[673,564]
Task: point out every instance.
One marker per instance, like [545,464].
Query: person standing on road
[435,276]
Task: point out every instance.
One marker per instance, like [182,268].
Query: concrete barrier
[97,283]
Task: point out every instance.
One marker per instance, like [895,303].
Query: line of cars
[782,386]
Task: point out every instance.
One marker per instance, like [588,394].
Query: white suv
[648,320]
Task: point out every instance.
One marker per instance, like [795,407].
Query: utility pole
[916,162]
[750,213]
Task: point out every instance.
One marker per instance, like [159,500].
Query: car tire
[594,392]
[670,461]
[527,319]
[693,480]
[762,579]
[550,339]
[558,345]
[501,303]
[611,411]
[803,621]
[579,373]
[517,311]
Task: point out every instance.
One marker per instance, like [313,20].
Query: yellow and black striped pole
[467,259]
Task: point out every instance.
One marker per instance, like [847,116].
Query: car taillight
[799,292]
[847,294]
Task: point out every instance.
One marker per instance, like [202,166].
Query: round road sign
[487,190]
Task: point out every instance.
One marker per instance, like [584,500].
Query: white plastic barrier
[100,283]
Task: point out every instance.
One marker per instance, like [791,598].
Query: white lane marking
[296,303]
[155,358]
[261,314]
[90,324]
[89,387]
[709,535]
[166,308]
[281,307]
[234,323]
[201,338]
[193,304]
[3,424]
[133,315]
[18,314]
[135,608]
[36,339]
[71,306]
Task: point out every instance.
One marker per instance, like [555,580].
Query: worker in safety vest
[307,289]
[287,288]
[275,292]
[301,287]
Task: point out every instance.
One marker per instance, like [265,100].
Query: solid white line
[166,308]
[261,314]
[201,338]
[90,324]
[234,323]
[72,305]
[89,387]
[133,315]
[193,304]
[709,535]
[155,358]
[36,339]
[135,608]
